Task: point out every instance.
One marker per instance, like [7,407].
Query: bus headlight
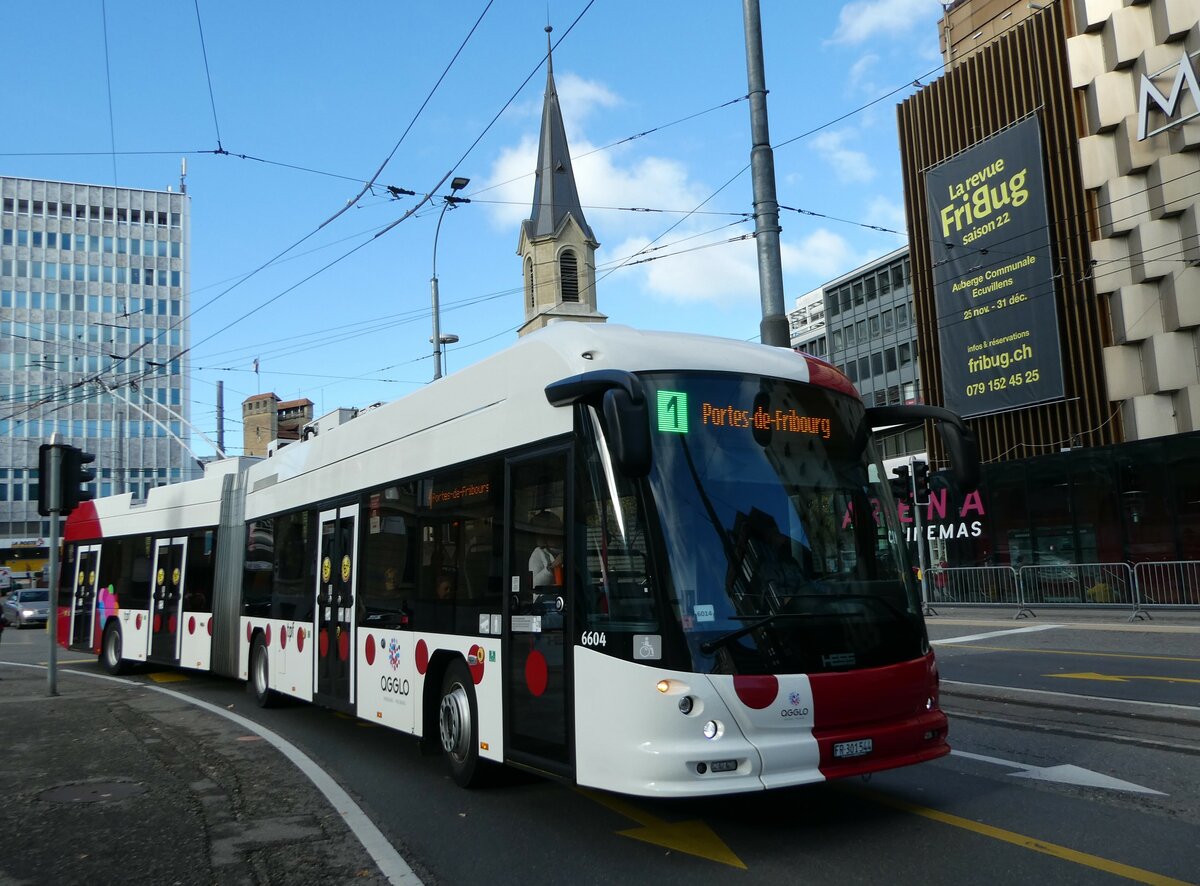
[713,730]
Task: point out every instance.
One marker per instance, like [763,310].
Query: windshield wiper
[710,646]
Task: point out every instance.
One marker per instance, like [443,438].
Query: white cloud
[821,255]
[722,274]
[861,21]
[888,214]
[848,165]
[858,79]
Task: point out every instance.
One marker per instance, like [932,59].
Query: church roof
[554,193]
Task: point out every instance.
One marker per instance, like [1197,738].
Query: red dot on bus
[210,626]
[268,635]
[756,691]
[249,631]
[157,623]
[323,642]
[191,624]
[370,649]
[300,639]
[283,638]
[344,645]
[422,657]
[475,663]
[536,673]
[138,621]
[172,624]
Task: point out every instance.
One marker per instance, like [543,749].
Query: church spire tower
[557,247]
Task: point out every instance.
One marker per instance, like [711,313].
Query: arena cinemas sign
[1172,106]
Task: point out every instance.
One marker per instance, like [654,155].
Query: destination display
[993,275]
[673,417]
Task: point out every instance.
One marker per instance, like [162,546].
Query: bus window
[293,576]
[389,556]
[198,578]
[459,576]
[616,591]
[258,568]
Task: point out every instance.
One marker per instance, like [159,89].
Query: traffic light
[901,485]
[920,474]
[74,477]
[45,505]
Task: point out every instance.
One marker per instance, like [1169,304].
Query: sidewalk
[110,783]
[1185,620]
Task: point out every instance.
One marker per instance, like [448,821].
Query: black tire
[260,675]
[458,725]
[110,650]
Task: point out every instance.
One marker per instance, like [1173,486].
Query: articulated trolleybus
[651,563]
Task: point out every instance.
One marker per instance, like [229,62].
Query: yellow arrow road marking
[168,677]
[1113,678]
[1138,875]
[691,837]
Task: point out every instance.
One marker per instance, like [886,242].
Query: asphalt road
[1049,782]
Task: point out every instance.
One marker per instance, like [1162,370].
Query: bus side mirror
[961,444]
[628,426]
[618,396]
[963,449]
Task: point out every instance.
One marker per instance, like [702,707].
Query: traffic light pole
[922,542]
[54,463]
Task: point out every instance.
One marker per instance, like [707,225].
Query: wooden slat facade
[1022,73]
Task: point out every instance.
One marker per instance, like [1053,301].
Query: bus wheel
[110,650]
[260,674]
[458,726]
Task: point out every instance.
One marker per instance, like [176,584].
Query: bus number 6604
[594,638]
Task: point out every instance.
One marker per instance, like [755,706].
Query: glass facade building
[94,309]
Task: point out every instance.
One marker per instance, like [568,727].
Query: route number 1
[673,412]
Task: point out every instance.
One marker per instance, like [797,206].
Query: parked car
[27,607]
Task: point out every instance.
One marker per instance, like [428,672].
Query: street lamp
[456,184]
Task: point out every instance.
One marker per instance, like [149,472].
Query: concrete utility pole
[774,326]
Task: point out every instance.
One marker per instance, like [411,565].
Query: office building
[94,311]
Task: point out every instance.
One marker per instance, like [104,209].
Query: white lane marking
[1064,774]
[972,637]
[390,863]
[1108,699]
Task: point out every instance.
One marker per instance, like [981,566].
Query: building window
[529,282]
[568,274]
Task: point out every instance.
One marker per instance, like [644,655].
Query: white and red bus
[652,563]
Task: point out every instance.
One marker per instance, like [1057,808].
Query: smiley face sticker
[345,568]
[326,569]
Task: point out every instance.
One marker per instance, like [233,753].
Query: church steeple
[557,247]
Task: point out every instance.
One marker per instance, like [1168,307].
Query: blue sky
[309,99]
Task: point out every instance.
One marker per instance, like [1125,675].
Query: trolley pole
[773,329]
[54,480]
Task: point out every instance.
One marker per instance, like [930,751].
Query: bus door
[337,579]
[83,596]
[166,600]
[538,641]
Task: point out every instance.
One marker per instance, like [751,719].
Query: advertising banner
[993,278]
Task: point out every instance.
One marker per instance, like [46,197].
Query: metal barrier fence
[1138,588]
[1170,584]
[973,586]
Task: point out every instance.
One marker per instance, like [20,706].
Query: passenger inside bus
[546,561]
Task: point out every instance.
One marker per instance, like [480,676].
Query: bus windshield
[781,558]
